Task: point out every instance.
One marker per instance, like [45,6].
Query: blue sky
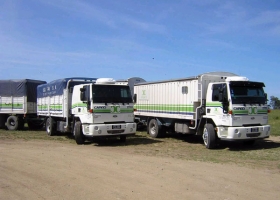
[151,39]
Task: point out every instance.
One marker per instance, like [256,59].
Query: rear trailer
[18,104]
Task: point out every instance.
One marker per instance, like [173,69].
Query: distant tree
[274,102]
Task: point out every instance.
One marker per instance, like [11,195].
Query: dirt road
[53,170]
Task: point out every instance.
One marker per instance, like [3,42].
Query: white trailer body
[220,104]
[18,103]
[87,108]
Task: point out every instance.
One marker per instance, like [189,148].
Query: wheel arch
[202,123]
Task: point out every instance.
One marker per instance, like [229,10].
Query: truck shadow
[232,146]
[115,141]
[240,146]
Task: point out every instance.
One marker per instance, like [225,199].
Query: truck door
[216,100]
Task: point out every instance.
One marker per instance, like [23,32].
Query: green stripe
[79,105]
[210,104]
[10,106]
[165,107]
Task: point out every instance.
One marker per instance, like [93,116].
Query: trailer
[87,107]
[18,104]
[216,105]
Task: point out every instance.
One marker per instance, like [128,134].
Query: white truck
[18,104]
[87,107]
[216,105]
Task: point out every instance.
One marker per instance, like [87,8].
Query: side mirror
[134,98]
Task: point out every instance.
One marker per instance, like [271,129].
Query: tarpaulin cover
[19,88]
[56,87]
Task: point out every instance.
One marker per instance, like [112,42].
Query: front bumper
[93,130]
[243,133]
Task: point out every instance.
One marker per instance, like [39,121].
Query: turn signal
[230,112]
[90,110]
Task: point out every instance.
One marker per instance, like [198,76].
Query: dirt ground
[54,170]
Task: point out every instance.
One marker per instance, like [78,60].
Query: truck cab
[238,110]
[102,109]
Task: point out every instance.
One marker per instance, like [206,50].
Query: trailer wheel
[154,129]
[209,136]
[50,127]
[14,123]
[78,133]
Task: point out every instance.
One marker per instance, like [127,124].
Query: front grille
[253,134]
[245,125]
[115,131]
[116,122]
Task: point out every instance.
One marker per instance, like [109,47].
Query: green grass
[32,135]
[274,121]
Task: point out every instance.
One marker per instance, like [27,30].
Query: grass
[274,121]
[265,154]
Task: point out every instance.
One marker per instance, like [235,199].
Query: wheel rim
[48,127]
[153,129]
[12,122]
[205,136]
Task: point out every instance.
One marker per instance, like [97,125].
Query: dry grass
[265,154]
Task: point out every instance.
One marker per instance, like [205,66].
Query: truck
[18,104]
[216,105]
[87,108]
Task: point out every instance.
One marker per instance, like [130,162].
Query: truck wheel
[78,133]
[123,138]
[154,129]
[50,127]
[13,123]
[209,136]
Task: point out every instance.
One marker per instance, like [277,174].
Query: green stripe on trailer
[11,106]
[165,107]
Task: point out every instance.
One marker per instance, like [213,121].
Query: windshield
[247,94]
[111,94]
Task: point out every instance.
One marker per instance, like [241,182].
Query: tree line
[274,102]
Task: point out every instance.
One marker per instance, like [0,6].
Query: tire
[13,123]
[50,126]
[209,136]
[154,129]
[78,133]
[123,138]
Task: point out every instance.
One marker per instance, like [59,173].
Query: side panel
[16,105]
[174,99]
[52,106]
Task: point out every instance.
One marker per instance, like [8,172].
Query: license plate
[116,126]
[254,129]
